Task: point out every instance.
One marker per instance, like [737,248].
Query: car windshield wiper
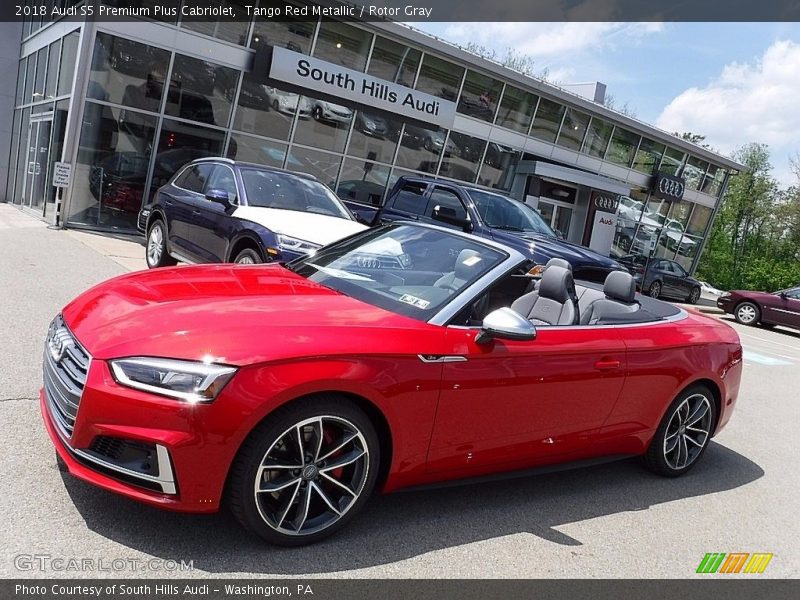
[507,228]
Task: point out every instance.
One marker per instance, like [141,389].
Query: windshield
[273,189]
[407,269]
[501,212]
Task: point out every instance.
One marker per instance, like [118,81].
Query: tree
[511,59]
[755,241]
[694,138]
[611,102]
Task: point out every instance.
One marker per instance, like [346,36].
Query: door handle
[607,365]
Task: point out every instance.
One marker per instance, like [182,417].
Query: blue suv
[220,210]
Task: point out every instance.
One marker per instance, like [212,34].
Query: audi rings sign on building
[668,187]
[606,203]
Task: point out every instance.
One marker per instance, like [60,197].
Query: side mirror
[783,295]
[447,214]
[507,324]
[219,196]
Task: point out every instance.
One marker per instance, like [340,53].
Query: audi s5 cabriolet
[401,356]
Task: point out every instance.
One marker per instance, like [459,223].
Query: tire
[276,106]
[248,256]
[317,114]
[694,296]
[278,515]
[683,434]
[155,253]
[655,289]
[747,313]
[625,243]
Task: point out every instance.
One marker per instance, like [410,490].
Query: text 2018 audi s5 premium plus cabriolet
[401,356]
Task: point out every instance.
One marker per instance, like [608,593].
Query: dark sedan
[763,308]
[658,277]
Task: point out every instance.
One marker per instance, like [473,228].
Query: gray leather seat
[465,270]
[618,304]
[553,303]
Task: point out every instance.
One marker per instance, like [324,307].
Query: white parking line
[755,337]
[763,359]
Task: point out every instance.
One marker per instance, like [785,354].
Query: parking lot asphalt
[615,520]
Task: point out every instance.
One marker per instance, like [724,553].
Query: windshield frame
[510,260]
[542,227]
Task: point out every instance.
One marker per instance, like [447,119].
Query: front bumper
[194,445]
[725,304]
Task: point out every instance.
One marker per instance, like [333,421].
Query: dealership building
[110,110]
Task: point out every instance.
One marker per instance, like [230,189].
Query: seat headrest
[467,263]
[558,262]
[620,286]
[556,284]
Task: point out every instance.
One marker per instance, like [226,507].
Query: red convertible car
[401,356]
[763,308]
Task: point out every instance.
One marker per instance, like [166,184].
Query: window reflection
[547,120]
[648,156]
[343,45]
[499,166]
[223,28]
[622,147]
[462,162]
[712,183]
[181,143]
[249,148]
[323,166]
[439,78]
[672,161]
[573,130]
[327,129]
[111,170]
[479,96]
[693,172]
[66,72]
[420,148]
[394,62]
[516,109]
[363,182]
[200,91]
[374,136]
[127,72]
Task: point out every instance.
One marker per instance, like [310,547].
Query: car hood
[546,247]
[233,313]
[311,227]
[762,296]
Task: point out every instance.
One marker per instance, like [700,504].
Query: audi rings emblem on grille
[58,342]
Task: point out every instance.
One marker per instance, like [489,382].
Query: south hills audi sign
[668,187]
[327,78]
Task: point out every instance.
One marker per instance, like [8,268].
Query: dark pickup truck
[485,214]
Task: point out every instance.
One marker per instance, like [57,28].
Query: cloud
[757,101]
[548,40]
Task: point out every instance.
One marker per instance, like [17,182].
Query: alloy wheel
[245,260]
[688,431]
[155,245]
[655,290]
[694,296]
[312,475]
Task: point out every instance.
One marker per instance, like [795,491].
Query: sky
[732,82]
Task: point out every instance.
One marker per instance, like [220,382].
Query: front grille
[66,364]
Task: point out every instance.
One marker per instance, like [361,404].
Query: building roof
[405,33]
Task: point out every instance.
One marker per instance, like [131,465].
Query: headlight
[185,380]
[295,245]
[725,295]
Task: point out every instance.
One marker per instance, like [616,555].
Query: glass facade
[146,110]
